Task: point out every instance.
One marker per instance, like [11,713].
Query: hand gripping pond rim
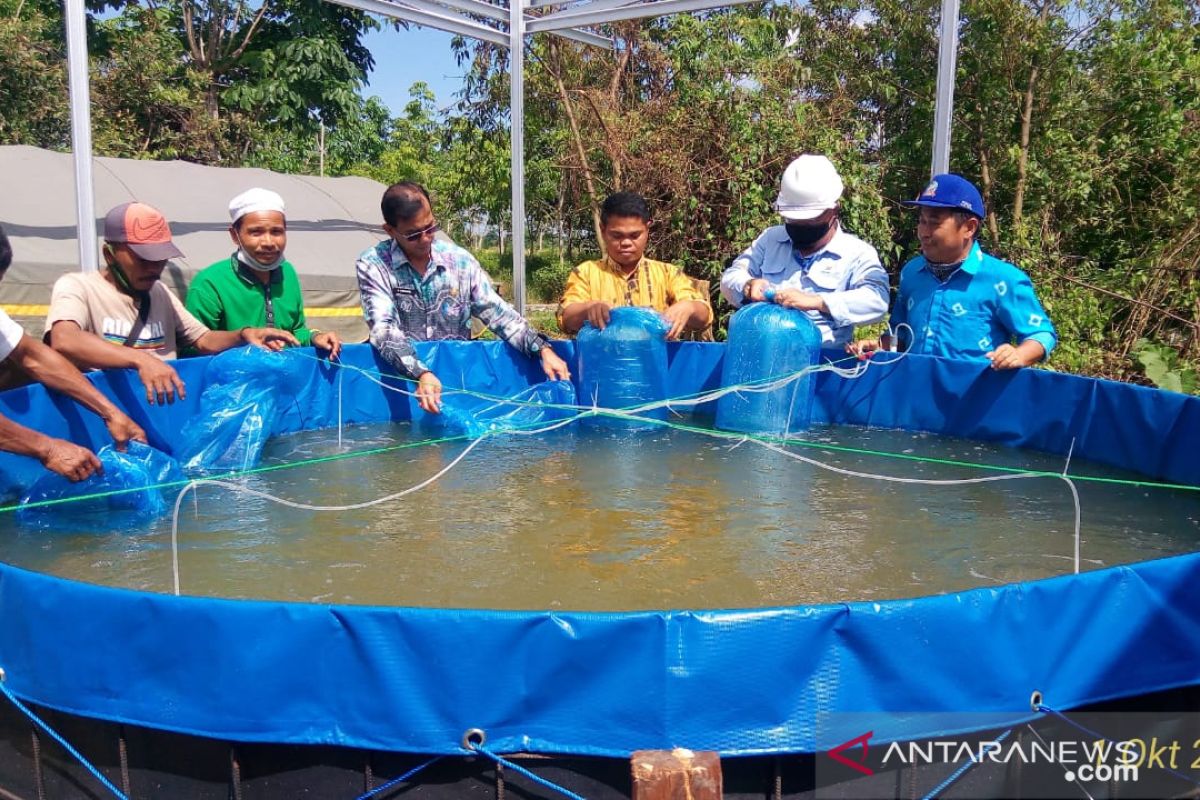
[634,413]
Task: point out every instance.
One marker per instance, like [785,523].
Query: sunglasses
[426,231]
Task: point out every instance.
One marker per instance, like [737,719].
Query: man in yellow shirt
[625,277]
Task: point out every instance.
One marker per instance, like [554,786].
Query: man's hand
[597,314]
[328,340]
[270,338]
[429,393]
[123,429]
[1023,355]
[160,379]
[69,460]
[803,301]
[863,348]
[755,290]
[554,367]
[678,316]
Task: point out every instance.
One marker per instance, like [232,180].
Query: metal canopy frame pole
[943,109]
[516,73]
[81,134]
[584,15]
[431,15]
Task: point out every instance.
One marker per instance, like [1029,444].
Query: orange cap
[143,229]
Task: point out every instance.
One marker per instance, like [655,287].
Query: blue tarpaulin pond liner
[741,682]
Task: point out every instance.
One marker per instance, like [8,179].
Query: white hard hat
[810,186]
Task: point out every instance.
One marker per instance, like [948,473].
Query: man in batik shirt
[417,287]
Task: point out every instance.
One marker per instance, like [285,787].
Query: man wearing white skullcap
[256,286]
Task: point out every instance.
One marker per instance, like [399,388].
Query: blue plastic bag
[129,492]
[624,365]
[767,342]
[528,409]
[244,390]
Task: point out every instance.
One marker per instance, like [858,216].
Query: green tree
[33,76]
[147,101]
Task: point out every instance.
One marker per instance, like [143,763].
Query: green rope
[239,473]
[780,440]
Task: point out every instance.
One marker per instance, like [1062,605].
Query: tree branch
[258,18]
[577,139]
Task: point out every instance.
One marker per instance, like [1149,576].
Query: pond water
[595,520]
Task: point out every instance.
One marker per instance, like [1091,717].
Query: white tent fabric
[330,221]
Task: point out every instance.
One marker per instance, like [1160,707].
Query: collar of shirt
[619,271]
[248,275]
[970,265]
[398,261]
[830,250]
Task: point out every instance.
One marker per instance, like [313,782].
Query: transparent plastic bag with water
[134,487]
[766,343]
[624,366]
[529,409]
[244,389]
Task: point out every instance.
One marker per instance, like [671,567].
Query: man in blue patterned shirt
[416,287]
[955,300]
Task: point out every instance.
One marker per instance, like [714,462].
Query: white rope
[634,414]
[895,479]
[341,374]
[194,485]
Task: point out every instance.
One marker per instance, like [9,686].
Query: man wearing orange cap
[256,285]
[123,316]
[41,363]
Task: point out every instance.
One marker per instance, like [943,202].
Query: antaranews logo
[858,741]
[1060,767]
[1051,757]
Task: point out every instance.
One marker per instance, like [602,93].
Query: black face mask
[804,234]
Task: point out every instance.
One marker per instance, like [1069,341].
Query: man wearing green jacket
[256,287]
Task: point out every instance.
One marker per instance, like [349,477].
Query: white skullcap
[253,200]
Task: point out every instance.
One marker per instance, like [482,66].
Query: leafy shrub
[544,277]
[1164,368]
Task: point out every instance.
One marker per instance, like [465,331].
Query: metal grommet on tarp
[474,739]
[1035,700]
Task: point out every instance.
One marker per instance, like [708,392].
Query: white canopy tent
[330,221]
[504,25]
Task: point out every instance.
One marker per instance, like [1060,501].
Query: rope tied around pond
[53,734]
[399,780]
[962,770]
[475,742]
[1045,709]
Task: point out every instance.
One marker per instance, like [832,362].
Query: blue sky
[404,57]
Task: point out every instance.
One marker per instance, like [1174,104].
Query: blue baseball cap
[950,191]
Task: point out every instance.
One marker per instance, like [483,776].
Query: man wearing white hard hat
[809,262]
[256,286]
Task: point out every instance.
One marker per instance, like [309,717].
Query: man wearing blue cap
[955,300]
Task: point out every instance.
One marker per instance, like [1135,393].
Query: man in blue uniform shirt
[955,300]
